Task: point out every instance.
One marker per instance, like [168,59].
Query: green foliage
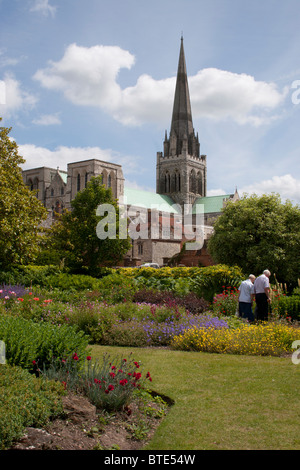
[258,233]
[25,401]
[74,235]
[287,307]
[20,211]
[116,288]
[26,341]
[204,281]
[29,275]
[213,279]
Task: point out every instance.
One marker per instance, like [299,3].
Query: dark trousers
[245,311]
[262,307]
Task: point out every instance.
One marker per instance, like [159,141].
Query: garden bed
[83,428]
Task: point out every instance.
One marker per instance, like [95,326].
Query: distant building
[181,182]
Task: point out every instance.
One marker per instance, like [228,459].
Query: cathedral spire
[180,169]
[182,123]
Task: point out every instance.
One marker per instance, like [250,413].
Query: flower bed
[265,339]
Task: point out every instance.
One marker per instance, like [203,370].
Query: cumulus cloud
[88,77]
[36,157]
[13,98]
[220,94]
[43,6]
[287,186]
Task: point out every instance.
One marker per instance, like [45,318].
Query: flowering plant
[111,384]
[226,303]
[108,384]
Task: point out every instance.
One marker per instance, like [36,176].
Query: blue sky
[96,79]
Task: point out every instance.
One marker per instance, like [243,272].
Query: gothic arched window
[192,182]
[200,183]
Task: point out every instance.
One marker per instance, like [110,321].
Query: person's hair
[251,276]
[267,273]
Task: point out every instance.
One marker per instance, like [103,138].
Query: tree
[21,213]
[258,233]
[74,234]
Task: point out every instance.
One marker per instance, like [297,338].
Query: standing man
[262,295]
[246,294]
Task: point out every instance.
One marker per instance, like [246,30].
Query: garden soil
[81,429]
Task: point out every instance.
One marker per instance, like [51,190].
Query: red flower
[88,358]
[136,364]
[75,357]
[111,387]
[112,374]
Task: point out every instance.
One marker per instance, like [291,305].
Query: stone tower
[181,170]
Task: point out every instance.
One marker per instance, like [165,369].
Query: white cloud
[15,97]
[9,61]
[47,120]
[60,157]
[88,77]
[287,186]
[219,94]
[215,192]
[42,6]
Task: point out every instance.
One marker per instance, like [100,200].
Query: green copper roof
[211,204]
[64,176]
[136,197]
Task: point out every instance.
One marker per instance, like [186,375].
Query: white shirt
[260,284]
[246,289]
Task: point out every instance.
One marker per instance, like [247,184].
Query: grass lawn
[222,402]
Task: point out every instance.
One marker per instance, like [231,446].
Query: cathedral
[181,182]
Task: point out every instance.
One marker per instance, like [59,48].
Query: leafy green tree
[258,233]
[21,213]
[75,237]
